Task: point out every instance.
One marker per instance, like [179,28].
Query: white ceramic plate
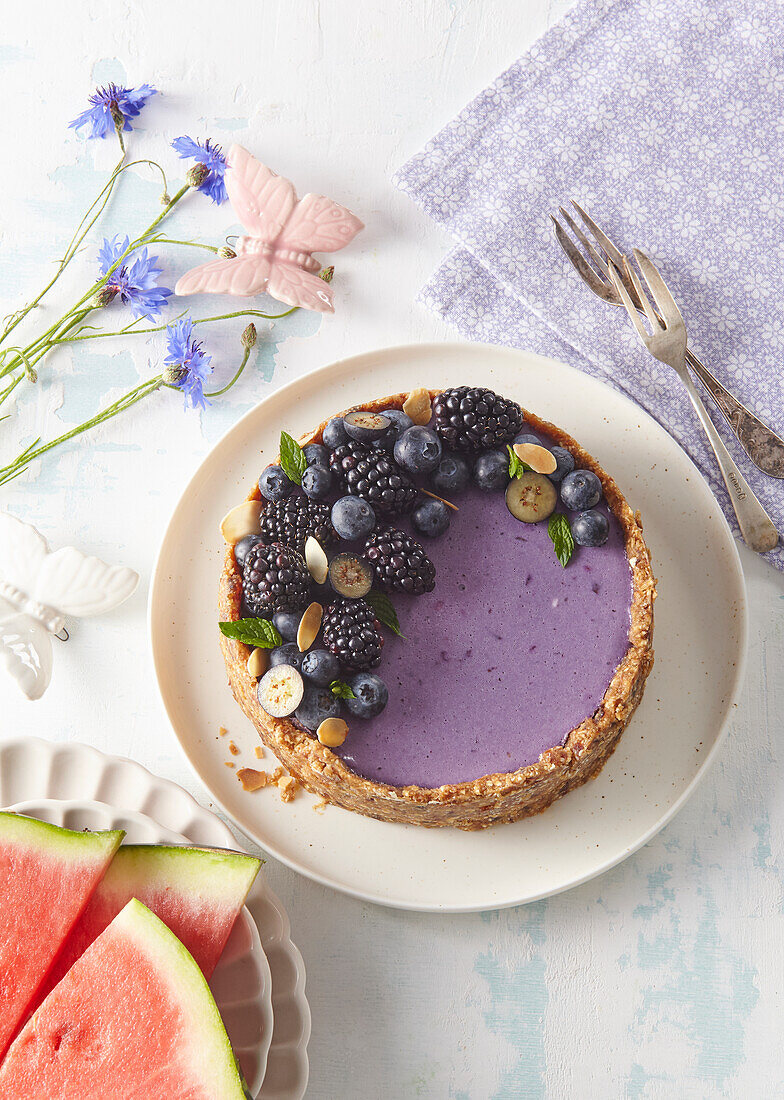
[700,640]
[242,983]
[259,983]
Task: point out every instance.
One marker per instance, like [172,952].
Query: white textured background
[661,979]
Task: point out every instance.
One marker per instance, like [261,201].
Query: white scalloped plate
[700,642]
[259,982]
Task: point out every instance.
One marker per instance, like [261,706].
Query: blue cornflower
[135,281]
[110,102]
[188,367]
[211,156]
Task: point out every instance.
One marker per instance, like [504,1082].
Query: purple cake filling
[507,655]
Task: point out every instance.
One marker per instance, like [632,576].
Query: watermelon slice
[197,892]
[133,1017]
[47,875]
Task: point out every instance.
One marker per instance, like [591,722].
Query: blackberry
[400,562]
[475,419]
[290,521]
[374,476]
[274,578]
[352,634]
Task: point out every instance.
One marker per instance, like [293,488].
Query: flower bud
[197,175]
[227,253]
[165,198]
[249,336]
[104,296]
[174,374]
[327,273]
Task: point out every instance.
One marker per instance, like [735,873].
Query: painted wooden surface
[660,979]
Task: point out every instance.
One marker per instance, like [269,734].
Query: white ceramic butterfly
[277,256]
[38,589]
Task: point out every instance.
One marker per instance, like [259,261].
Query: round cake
[437,609]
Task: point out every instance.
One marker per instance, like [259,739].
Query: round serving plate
[259,983]
[700,642]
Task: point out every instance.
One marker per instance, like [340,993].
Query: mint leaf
[292,458]
[385,612]
[341,689]
[256,632]
[516,465]
[561,533]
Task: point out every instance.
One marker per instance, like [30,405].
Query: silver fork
[761,444]
[666,341]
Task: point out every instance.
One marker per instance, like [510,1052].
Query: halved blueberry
[366,427]
[350,576]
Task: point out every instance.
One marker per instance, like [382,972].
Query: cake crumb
[252,780]
[288,787]
[228,763]
[321,806]
[259,751]
[233,749]
[222,731]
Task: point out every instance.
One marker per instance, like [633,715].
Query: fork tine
[659,289]
[612,251]
[650,312]
[623,294]
[588,245]
[601,287]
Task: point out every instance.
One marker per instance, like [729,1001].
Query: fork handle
[756,526]
[761,444]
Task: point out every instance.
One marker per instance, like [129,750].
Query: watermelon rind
[217,875]
[209,1053]
[66,844]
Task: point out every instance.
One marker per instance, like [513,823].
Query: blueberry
[334,433]
[591,528]
[491,470]
[287,623]
[318,703]
[287,654]
[581,489]
[418,450]
[353,518]
[320,666]
[527,437]
[367,427]
[274,484]
[400,422]
[565,461]
[371,695]
[242,547]
[316,482]
[431,518]
[452,474]
[316,454]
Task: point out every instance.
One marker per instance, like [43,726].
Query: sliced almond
[241,521]
[258,663]
[538,458]
[435,496]
[417,406]
[316,560]
[251,779]
[309,626]
[332,732]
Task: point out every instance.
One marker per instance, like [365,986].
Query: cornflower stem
[34,451]
[240,369]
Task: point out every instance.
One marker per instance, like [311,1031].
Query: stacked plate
[259,984]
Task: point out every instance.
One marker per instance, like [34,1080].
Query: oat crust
[491,799]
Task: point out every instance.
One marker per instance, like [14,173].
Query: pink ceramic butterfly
[277,256]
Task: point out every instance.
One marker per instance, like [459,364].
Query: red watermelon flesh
[196,892]
[47,875]
[133,1017]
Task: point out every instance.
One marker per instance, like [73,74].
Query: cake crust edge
[492,799]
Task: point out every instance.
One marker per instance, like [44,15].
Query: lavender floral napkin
[665,119]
